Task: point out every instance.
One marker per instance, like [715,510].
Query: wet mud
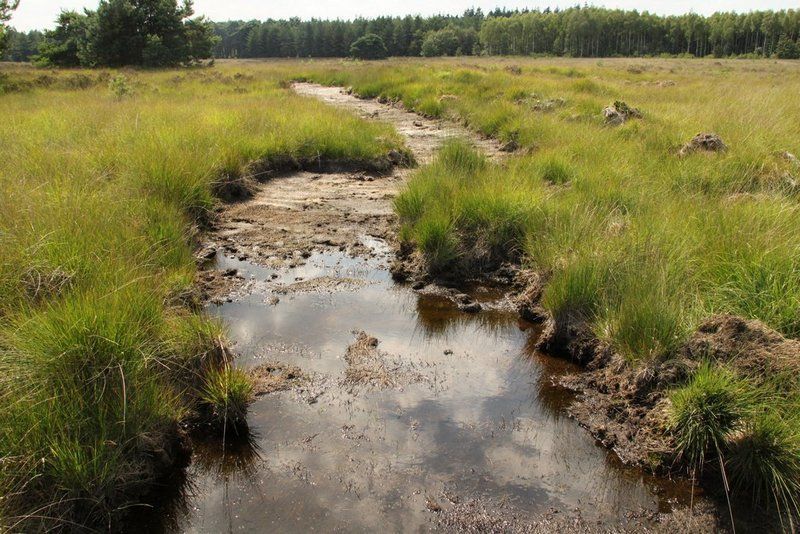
[384,405]
[444,407]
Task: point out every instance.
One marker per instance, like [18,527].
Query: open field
[674,277]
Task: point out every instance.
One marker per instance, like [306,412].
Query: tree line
[576,32]
[402,36]
[153,33]
[597,32]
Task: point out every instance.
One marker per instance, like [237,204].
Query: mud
[446,394]
[748,346]
[286,219]
[272,377]
[370,368]
[461,404]
[619,112]
[475,516]
[626,408]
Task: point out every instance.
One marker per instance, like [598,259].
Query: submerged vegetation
[636,238]
[102,190]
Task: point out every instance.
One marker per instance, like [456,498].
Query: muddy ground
[290,217]
[305,215]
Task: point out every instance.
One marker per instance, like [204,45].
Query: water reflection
[235,457]
[486,421]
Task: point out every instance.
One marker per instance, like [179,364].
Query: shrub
[787,49]
[120,87]
[370,46]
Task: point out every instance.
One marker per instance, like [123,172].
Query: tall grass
[645,242]
[707,411]
[100,199]
[638,242]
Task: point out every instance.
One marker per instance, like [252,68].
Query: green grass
[101,198]
[101,194]
[225,395]
[687,237]
[641,244]
[764,460]
[706,412]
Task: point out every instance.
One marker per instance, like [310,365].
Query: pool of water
[482,421]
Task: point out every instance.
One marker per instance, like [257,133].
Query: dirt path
[423,136]
[296,215]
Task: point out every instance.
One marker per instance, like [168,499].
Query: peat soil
[386,406]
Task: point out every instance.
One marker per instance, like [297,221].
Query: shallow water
[484,421]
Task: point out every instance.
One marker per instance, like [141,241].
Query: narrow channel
[464,409]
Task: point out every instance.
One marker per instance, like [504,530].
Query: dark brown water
[485,421]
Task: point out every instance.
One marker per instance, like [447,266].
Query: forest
[573,32]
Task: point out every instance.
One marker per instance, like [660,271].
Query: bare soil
[285,220]
[423,136]
[276,376]
[371,368]
[476,516]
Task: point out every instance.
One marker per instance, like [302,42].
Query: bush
[370,46]
[128,32]
[450,41]
[120,86]
[787,49]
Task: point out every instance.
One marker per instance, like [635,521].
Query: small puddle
[484,421]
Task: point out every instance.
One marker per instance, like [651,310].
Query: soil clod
[276,376]
[368,367]
[703,142]
[620,112]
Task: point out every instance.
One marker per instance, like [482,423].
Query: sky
[41,14]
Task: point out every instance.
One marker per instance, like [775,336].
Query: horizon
[41,14]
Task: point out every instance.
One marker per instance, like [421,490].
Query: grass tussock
[706,412]
[104,179]
[639,243]
[753,431]
[225,395]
